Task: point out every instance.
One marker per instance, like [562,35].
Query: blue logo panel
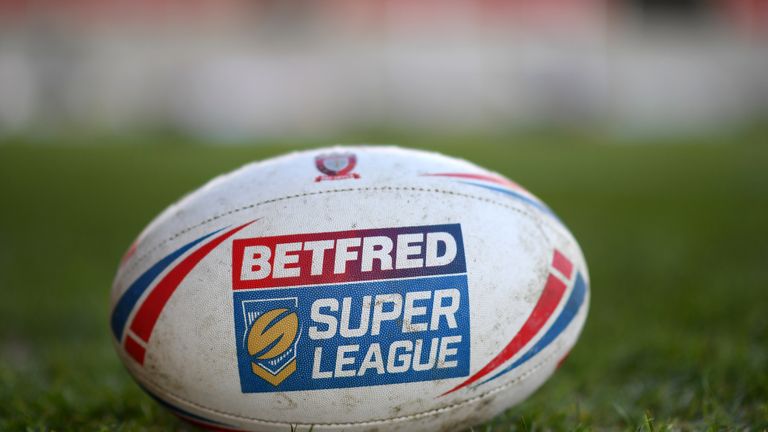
[352,334]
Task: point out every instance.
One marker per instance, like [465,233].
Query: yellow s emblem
[268,340]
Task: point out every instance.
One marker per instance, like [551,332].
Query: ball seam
[213,218]
[428,413]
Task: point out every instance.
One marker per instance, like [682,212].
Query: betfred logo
[346,256]
[351,308]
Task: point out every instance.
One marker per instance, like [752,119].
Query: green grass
[676,236]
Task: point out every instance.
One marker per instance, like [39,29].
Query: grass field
[676,235]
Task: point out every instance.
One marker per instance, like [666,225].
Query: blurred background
[235,70]
[642,123]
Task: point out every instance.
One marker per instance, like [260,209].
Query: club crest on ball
[336,166]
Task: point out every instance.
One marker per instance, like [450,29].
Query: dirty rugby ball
[355,289]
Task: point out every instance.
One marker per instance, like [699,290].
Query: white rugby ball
[349,288]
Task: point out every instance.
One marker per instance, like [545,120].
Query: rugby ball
[349,288]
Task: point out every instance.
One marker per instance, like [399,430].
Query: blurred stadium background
[110,110]
[234,70]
